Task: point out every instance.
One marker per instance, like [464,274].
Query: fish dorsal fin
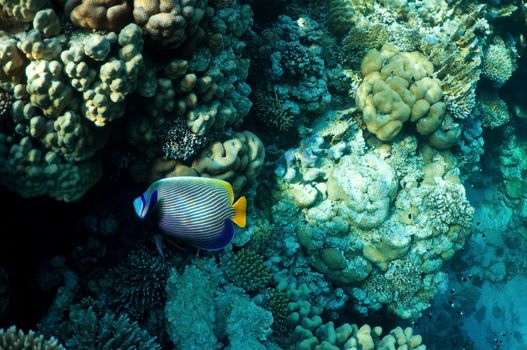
[222,183]
[240,216]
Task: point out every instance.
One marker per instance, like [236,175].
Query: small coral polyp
[397,87]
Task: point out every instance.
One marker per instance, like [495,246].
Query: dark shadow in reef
[33,230]
[37,229]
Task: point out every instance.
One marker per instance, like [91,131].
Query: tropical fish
[195,209]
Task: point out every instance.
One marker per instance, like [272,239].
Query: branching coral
[247,269]
[13,339]
[6,100]
[179,143]
[493,110]
[498,62]
[89,329]
[271,111]
[291,55]
[139,284]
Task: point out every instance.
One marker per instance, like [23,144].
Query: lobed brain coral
[399,86]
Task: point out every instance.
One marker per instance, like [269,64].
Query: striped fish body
[198,210]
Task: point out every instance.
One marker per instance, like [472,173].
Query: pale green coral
[33,172]
[47,86]
[365,186]
[12,61]
[23,10]
[350,336]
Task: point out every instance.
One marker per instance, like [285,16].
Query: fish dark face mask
[144,204]
[139,205]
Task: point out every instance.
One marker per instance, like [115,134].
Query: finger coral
[169,22]
[111,15]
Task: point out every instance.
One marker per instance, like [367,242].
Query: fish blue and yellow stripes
[196,209]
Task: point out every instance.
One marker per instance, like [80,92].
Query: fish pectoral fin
[240,216]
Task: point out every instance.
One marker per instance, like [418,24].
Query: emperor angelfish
[196,209]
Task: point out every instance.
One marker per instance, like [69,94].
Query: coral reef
[397,87]
[138,284]
[13,339]
[200,299]
[54,82]
[290,54]
[89,329]
[382,243]
[246,269]
[357,130]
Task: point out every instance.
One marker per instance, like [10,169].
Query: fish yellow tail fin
[240,219]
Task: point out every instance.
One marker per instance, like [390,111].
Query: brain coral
[398,86]
[236,160]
